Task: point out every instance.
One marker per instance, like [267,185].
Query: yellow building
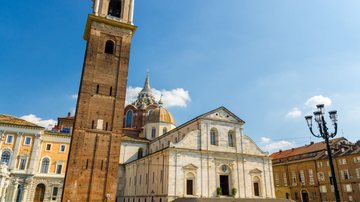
[33,161]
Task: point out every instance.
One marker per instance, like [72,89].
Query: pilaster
[16,150]
[34,154]
[2,133]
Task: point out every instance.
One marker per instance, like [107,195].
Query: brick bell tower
[93,163]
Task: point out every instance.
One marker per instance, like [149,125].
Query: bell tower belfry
[93,163]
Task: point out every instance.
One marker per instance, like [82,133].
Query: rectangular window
[22,163]
[62,148]
[48,147]
[27,141]
[345,174]
[58,168]
[9,139]
[311,177]
[321,176]
[357,170]
[54,193]
[348,187]
[342,161]
[357,159]
[293,178]
[350,198]
[276,179]
[319,164]
[285,179]
[323,189]
[302,177]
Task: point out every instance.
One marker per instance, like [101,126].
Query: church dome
[160,114]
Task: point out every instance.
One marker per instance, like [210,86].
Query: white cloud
[131,94]
[278,145]
[75,96]
[171,98]
[318,99]
[274,146]
[48,124]
[294,113]
[265,140]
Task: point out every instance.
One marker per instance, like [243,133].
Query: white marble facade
[194,160]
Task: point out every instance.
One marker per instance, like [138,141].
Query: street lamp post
[319,118]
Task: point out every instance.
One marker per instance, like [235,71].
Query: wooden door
[189,187]
[224,184]
[256,189]
[39,193]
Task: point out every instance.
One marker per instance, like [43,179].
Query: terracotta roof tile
[303,149]
[12,120]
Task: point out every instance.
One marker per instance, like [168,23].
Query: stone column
[16,150]
[26,188]
[131,11]
[11,193]
[96,7]
[34,157]
[4,181]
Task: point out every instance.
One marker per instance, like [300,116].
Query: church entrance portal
[224,184]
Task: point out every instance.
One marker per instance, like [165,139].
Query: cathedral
[136,152]
[206,157]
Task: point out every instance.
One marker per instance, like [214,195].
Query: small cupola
[159,122]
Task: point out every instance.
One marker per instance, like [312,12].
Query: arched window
[45,165]
[109,47]
[213,137]
[5,157]
[140,153]
[165,130]
[231,139]
[115,8]
[129,119]
[153,132]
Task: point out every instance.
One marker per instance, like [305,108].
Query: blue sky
[267,61]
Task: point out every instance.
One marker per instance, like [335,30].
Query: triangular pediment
[255,171]
[190,167]
[222,114]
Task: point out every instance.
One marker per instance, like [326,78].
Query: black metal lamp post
[319,118]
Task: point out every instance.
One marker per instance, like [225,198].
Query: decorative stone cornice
[108,24]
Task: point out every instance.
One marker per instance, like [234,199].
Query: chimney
[69,114]
[311,143]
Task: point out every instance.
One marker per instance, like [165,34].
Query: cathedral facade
[207,157]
